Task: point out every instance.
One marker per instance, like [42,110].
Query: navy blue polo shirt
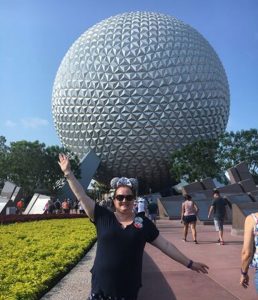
[117,267]
[219,205]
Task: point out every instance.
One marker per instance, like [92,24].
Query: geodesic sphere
[136,87]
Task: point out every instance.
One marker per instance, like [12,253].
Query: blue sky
[35,35]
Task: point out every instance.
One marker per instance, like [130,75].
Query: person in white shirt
[141,207]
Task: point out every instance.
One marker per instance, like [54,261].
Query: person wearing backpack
[249,254]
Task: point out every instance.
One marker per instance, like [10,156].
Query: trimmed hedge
[35,255]
[9,219]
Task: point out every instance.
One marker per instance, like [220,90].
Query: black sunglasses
[126,197]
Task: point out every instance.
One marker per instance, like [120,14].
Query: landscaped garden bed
[8,219]
[35,255]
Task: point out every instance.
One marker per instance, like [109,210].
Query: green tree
[236,147]
[99,189]
[34,167]
[25,166]
[196,161]
[3,159]
[3,147]
[209,158]
[53,175]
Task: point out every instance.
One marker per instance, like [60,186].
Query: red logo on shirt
[138,222]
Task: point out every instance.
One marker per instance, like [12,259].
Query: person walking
[122,235]
[218,207]
[249,254]
[189,217]
[141,206]
[152,211]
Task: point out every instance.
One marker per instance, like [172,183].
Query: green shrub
[35,255]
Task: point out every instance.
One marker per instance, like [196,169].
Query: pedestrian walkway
[165,279]
[76,284]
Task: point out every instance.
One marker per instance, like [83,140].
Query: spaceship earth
[136,87]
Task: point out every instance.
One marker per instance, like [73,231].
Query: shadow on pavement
[216,242]
[154,283]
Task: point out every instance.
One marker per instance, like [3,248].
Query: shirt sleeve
[100,213]
[150,230]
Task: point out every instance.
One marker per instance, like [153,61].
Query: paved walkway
[165,279]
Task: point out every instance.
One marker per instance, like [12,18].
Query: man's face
[216,195]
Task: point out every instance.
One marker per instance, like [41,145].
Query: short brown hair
[216,192]
[132,189]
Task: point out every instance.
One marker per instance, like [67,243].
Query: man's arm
[210,211]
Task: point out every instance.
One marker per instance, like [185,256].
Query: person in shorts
[152,211]
[189,217]
[218,207]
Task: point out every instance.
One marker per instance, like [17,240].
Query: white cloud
[9,123]
[34,122]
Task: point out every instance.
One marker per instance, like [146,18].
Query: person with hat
[122,235]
